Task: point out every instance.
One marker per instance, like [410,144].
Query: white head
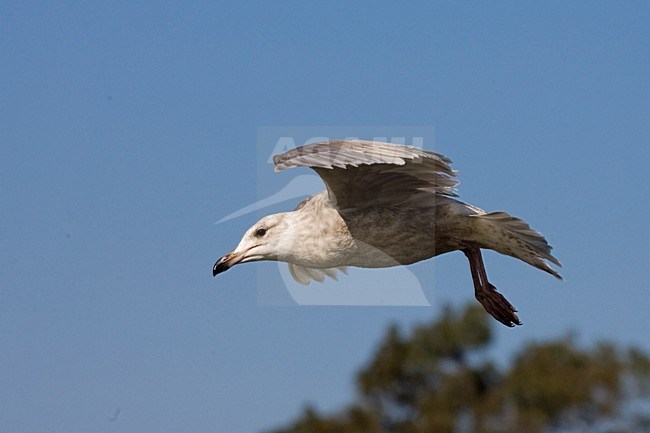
[268,239]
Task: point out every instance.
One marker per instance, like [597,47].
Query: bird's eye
[260,232]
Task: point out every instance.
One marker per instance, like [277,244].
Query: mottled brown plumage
[386,205]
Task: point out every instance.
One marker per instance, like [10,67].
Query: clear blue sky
[128,128]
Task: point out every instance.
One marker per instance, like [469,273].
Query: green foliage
[352,420]
[548,379]
[439,379]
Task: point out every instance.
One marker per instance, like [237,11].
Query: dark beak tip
[220,266]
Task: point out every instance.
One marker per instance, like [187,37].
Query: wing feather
[304,275]
[361,173]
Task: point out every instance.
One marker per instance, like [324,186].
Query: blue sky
[128,128]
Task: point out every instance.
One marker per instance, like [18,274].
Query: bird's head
[265,240]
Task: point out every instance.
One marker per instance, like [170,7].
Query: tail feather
[512,236]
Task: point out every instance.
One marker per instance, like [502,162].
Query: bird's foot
[497,305]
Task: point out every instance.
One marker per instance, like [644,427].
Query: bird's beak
[232,258]
[227,261]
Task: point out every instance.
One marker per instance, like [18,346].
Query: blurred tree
[439,379]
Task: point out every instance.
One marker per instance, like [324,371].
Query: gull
[386,205]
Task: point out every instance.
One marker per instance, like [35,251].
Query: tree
[439,378]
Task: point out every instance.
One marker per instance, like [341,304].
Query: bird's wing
[304,275]
[361,173]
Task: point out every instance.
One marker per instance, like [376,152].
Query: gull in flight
[386,205]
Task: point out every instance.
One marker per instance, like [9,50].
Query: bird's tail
[512,236]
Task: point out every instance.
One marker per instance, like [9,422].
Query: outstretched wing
[361,173]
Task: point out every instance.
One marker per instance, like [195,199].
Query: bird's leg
[493,301]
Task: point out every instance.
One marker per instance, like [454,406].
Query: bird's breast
[373,237]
